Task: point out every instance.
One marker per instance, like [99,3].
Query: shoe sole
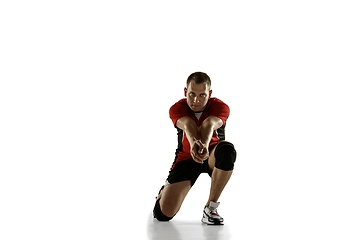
[215,222]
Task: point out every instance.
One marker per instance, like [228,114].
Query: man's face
[197,96]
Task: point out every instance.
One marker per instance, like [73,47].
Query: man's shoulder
[216,105]
[214,99]
[218,108]
[215,102]
[180,105]
[178,110]
[181,102]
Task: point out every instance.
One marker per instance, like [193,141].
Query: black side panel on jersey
[180,137]
[221,133]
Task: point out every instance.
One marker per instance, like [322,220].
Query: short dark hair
[199,77]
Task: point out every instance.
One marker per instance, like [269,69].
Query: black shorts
[188,170]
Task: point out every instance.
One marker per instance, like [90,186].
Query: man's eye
[203,95]
[192,94]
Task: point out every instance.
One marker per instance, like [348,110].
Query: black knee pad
[225,156]
[158,214]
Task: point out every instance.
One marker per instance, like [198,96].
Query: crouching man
[200,122]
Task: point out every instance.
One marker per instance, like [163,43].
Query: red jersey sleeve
[220,109]
[179,110]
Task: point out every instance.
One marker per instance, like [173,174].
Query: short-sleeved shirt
[215,107]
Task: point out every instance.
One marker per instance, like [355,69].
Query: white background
[86,140]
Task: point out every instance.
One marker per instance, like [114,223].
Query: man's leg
[221,162]
[171,198]
[220,177]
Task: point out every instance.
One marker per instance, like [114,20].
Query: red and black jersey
[215,107]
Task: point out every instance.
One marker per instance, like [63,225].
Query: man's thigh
[173,196]
[187,170]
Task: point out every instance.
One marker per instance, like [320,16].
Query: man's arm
[189,127]
[198,150]
[207,128]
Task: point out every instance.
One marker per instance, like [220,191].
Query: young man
[200,122]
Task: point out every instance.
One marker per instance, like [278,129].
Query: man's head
[197,91]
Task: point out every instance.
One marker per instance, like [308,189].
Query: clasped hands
[199,151]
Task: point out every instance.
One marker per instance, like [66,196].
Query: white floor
[182,229]
[268,211]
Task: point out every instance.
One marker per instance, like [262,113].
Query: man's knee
[158,213]
[225,156]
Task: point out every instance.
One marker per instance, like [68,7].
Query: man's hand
[199,148]
[199,152]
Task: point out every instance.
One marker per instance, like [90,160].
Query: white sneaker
[210,215]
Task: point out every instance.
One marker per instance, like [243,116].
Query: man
[200,122]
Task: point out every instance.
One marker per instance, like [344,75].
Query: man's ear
[210,92]
[185,91]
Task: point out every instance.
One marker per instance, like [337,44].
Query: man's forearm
[206,132]
[189,127]
[207,128]
[198,150]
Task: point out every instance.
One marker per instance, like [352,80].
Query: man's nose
[196,99]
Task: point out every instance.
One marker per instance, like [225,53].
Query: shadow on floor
[185,230]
